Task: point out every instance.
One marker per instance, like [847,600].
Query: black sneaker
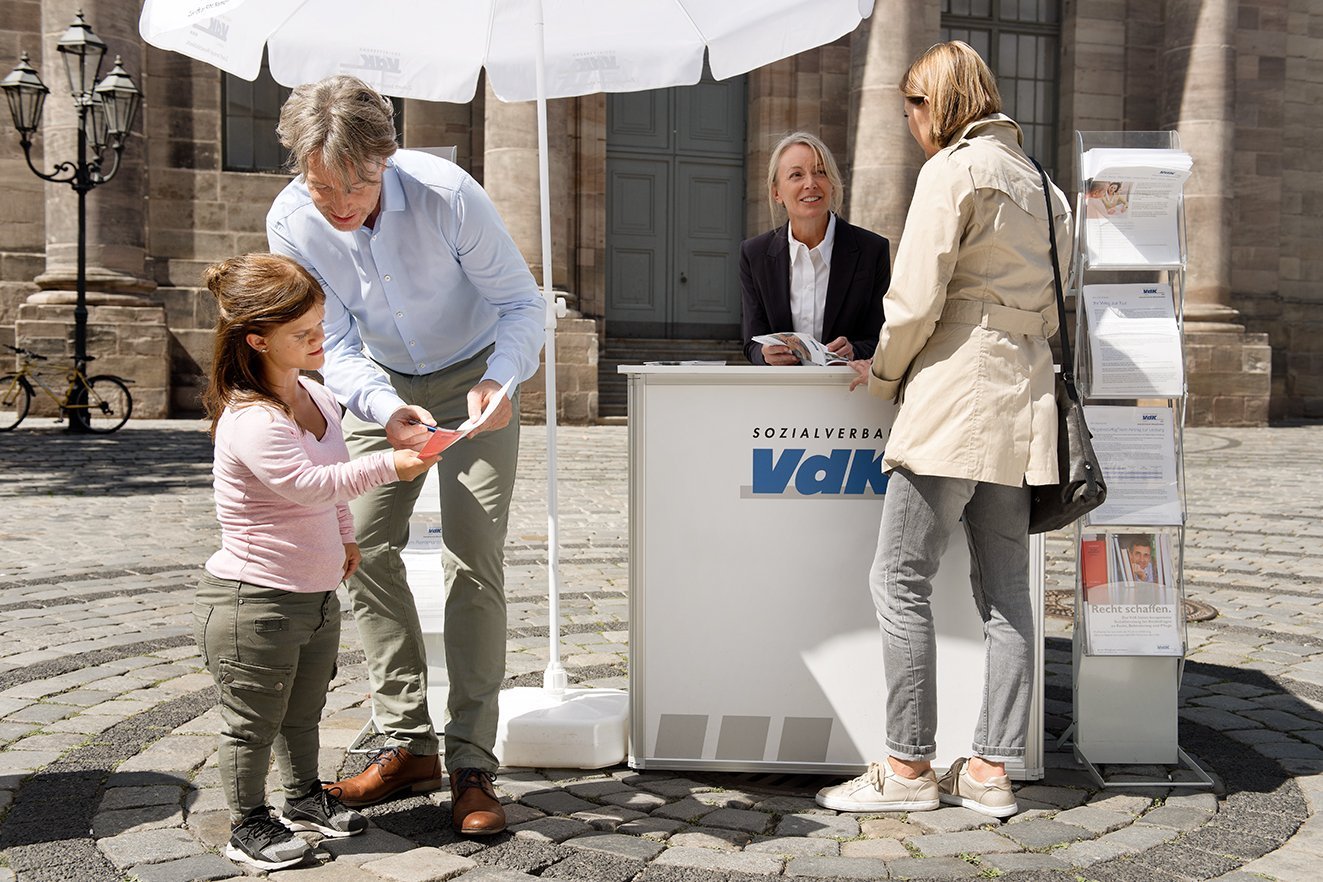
[321,811]
[261,842]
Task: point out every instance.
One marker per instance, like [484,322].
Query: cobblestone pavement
[107,723]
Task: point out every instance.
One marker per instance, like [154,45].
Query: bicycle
[100,404]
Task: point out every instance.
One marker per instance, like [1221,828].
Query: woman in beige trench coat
[964,349]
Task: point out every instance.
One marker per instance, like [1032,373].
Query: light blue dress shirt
[437,281]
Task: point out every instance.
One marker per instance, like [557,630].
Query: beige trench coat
[971,306]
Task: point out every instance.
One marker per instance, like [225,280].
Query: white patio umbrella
[531,50]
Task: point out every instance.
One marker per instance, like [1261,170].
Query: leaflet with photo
[805,348]
[1132,203]
[1136,447]
[1132,597]
[1134,346]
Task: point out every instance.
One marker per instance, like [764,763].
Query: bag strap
[1067,362]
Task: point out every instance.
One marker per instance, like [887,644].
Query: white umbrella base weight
[581,729]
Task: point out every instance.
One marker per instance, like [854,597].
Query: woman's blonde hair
[958,85]
[341,120]
[824,159]
[255,293]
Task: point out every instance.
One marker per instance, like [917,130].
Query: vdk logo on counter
[793,472]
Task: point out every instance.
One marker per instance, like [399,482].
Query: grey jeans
[477,481]
[918,517]
[271,654]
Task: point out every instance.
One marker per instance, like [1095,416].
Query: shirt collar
[824,247]
[392,191]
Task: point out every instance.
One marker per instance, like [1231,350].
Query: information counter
[755,499]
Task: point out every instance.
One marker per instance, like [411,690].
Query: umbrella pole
[554,680]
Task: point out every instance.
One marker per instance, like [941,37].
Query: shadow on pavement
[49,460]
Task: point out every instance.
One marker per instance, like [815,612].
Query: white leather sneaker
[991,797]
[881,790]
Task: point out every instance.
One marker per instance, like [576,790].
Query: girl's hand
[409,465]
[353,557]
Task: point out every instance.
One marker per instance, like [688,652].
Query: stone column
[1199,80]
[510,177]
[127,334]
[1229,370]
[116,211]
[883,159]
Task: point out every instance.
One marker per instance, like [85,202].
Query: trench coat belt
[995,316]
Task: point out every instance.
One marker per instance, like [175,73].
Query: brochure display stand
[1129,283]
[755,496]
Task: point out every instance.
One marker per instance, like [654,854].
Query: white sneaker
[881,790]
[991,797]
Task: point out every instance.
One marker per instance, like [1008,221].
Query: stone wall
[23,209]
[576,376]
[1293,314]
[129,341]
[805,92]
[1257,249]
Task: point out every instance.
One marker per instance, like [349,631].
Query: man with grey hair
[430,310]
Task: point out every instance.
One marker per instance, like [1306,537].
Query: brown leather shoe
[474,808]
[391,771]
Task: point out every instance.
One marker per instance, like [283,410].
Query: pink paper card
[440,440]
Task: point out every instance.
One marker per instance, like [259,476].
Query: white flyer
[1132,202]
[1136,448]
[1134,343]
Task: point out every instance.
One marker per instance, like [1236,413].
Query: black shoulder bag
[1080,487]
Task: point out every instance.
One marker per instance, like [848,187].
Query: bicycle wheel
[15,399]
[108,405]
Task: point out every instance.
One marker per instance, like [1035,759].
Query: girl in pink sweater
[267,619]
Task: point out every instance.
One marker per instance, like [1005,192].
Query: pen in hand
[424,425]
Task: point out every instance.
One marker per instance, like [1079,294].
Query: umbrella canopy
[531,50]
[435,49]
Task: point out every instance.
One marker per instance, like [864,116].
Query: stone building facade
[651,193]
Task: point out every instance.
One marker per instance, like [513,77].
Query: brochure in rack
[1132,202]
[1132,598]
[1134,346]
[809,350]
[1136,447]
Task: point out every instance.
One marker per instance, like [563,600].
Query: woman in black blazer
[837,301]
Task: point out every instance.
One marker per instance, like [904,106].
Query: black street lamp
[106,110]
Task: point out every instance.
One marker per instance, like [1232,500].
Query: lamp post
[106,110]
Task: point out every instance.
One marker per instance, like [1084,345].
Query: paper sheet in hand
[443,438]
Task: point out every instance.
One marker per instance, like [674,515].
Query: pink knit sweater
[281,494]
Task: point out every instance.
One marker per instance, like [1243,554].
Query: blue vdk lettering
[774,477]
[822,474]
[866,472]
[840,472]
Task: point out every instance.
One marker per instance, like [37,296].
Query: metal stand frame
[1186,761]
[1175,275]
[371,729]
